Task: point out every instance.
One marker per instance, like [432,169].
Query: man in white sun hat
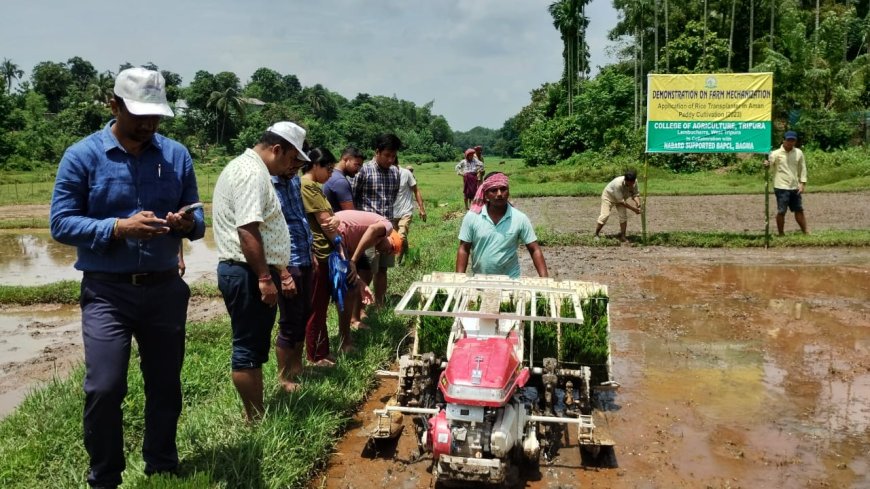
[253,251]
[118,199]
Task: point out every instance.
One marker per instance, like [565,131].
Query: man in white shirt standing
[253,251]
[403,208]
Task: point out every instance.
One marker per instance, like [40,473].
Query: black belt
[242,264]
[147,278]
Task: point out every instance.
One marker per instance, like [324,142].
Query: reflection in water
[761,363]
[33,258]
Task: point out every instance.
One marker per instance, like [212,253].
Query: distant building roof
[253,101]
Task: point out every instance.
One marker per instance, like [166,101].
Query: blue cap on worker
[790,135]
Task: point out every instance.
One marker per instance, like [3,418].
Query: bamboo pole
[643,199]
[767,207]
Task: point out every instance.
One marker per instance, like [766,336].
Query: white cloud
[477,59]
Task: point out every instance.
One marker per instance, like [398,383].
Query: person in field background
[616,195]
[789,181]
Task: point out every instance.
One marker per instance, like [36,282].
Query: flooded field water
[34,341]
[31,257]
[747,371]
[754,375]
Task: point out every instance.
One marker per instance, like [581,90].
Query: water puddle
[747,370]
[25,332]
[33,341]
[32,257]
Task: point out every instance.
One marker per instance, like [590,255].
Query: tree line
[216,114]
[817,50]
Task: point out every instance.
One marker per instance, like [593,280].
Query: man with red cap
[492,230]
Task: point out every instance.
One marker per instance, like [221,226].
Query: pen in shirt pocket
[159,169]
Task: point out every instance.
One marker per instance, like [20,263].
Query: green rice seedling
[434,330]
[546,341]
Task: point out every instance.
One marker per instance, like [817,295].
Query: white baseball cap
[143,91]
[293,134]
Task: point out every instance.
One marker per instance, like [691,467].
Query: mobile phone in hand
[188,209]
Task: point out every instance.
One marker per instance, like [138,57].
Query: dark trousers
[113,314]
[294,311]
[316,334]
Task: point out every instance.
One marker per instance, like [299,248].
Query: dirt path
[727,213]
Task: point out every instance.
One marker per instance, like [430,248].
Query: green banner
[708,137]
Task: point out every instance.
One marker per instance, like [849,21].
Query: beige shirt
[404,204]
[617,191]
[244,194]
[789,168]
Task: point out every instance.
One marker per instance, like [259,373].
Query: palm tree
[103,87]
[731,35]
[570,21]
[317,99]
[223,102]
[10,71]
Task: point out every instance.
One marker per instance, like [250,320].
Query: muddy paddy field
[743,368]
[738,368]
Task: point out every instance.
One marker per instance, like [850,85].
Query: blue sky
[477,59]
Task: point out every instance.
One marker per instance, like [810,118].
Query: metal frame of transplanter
[475,302]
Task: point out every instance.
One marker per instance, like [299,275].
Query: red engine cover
[489,363]
[439,435]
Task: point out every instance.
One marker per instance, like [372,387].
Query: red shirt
[354,225]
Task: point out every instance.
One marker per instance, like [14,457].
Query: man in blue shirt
[118,199]
[491,231]
[338,189]
[339,193]
[293,311]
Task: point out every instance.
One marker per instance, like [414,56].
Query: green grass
[838,171]
[41,442]
[25,223]
[68,291]
[63,292]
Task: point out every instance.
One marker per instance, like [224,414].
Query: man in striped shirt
[293,311]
